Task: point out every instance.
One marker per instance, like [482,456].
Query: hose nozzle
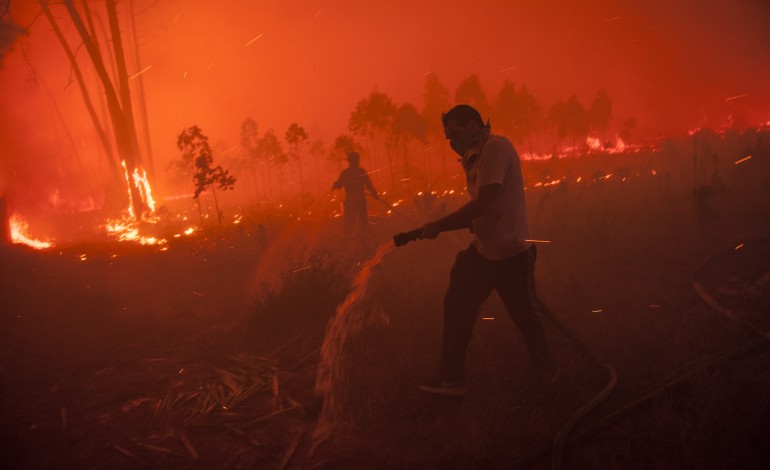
[401,239]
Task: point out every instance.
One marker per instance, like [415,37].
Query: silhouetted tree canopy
[9,33]
[600,111]
[471,92]
[372,114]
[435,103]
[197,156]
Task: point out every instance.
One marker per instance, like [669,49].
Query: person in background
[355,181]
[501,256]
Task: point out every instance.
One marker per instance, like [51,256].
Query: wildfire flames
[20,234]
[128,228]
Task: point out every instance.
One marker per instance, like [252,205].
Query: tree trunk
[140,96]
[125,134]
[216,204]
[301,184]
[125,92]
[113,164]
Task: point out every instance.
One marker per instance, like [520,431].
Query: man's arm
[338,184]
[370,186]
[463,217]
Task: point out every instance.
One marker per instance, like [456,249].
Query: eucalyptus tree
[198,159]
[296,137]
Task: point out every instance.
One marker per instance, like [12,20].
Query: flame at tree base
[128,228]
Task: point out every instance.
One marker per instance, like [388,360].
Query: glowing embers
[20,234]
[128,230]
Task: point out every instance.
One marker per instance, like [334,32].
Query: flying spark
[736,97]
[597,311]
[301,269]
[739,246]
[140,72]
[611,19]
[254,39]
[738,162]
[509,68]
[538,241]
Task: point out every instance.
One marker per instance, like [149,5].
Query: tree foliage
[471,92]
[435,103]
[343,145]
[9,33]
[295,136]
[600,111]
[198,158]
[372,115]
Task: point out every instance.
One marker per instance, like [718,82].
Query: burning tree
[114,88]
[198,159]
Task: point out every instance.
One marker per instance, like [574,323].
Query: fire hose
[403,238]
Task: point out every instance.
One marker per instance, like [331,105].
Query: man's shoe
[444,388]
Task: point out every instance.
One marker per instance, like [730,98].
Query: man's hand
[430,230]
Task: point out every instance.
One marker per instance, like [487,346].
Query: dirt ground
[204,355]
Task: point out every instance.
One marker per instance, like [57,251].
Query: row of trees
[405,141]
[409,142]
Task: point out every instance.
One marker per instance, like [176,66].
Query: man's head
[464,129]
[353,159]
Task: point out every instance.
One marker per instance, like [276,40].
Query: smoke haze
[673,66]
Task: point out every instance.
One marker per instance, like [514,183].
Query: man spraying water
[499,258]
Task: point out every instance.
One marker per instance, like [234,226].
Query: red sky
[670,64]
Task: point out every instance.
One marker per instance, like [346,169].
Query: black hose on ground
[564,432]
